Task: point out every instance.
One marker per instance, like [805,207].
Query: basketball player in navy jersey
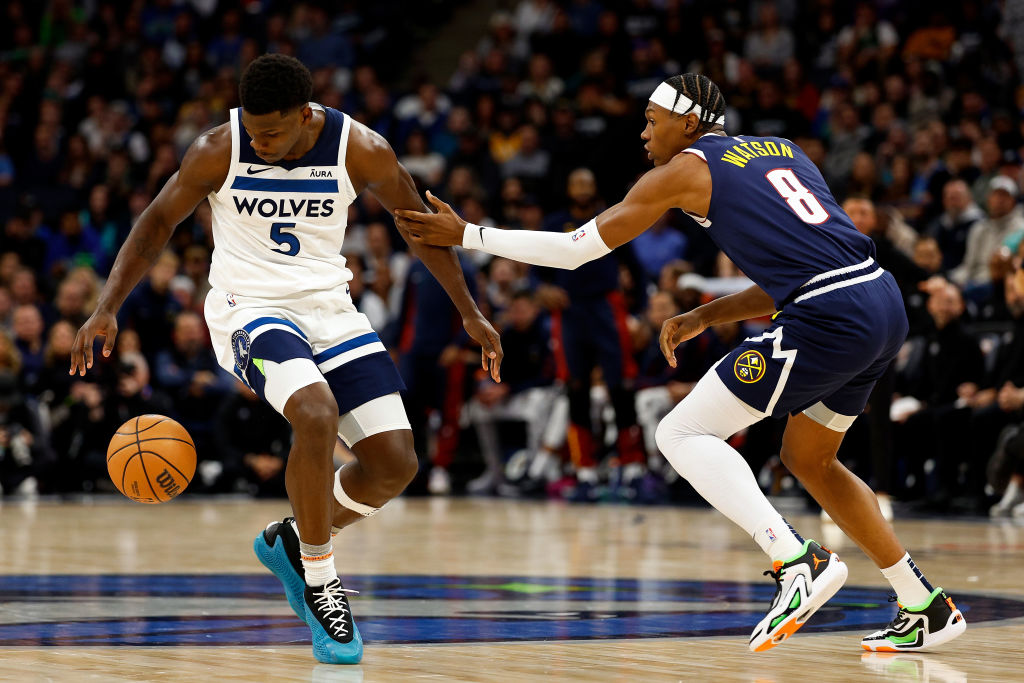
[838,321]
[279,177]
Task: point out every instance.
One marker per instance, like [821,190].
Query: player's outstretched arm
[372,164]
[684,182]
[202,171]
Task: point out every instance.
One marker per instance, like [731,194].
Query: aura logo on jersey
[749,367]
[284,208]
[249,609]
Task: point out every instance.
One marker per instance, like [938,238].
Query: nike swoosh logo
[481,236]
[259,170]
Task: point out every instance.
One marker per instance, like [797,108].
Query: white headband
[665,96]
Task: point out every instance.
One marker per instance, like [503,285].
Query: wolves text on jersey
[285,208]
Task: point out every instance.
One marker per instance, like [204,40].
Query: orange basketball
[151,459]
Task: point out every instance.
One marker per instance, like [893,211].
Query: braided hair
[704,93]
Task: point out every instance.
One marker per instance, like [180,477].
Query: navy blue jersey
[773,215]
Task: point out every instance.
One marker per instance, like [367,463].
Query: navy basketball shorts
[821,355]
[277,347]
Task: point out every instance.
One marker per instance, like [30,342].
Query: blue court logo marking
[749,366]
[250,609]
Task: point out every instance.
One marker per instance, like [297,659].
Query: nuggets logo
[749,367]
[240,347]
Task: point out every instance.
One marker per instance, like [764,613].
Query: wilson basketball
[151,459]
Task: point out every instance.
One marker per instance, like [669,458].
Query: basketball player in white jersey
[280,177]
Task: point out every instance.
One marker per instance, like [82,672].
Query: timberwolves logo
[240,347]
[749,367]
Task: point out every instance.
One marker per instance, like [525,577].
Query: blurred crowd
[912,111]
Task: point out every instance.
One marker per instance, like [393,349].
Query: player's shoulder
[370,156]
[208,158]
[214,142]
[366,141]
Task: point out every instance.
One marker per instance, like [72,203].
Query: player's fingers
[108,342]
[496,358]
[665,341]
[407,216]
[437,203]
[87,350]
[76,354]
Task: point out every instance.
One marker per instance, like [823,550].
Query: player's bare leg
[926,617]
[809,451]
[313,414]
[300,551]
[385,464]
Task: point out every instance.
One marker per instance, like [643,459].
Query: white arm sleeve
[568,250]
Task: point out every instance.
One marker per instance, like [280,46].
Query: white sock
[587,475]
[318,563]
[1012,495]
[912,589]
[778,539]
[692,437]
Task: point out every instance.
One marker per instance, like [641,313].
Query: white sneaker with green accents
[923,627]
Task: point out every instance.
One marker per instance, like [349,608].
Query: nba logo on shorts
[240,347]
[231,300]
[770,534]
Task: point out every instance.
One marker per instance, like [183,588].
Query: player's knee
[805,466]
[314,416]
[406,467]
[395,471]
[667,436]
[675,427]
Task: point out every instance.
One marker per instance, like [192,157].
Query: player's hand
[441,229]
[677,330]
[99,323]
[490,344]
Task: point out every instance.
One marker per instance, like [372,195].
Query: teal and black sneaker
[336,639]
[277,547]
[925,626]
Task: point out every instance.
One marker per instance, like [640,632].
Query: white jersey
[278,229]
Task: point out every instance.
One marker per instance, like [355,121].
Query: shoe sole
[830,581]
[276,560]
[955,626]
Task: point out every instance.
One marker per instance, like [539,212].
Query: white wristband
[567,250]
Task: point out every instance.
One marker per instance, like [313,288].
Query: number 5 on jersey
[803,202]
[287,240]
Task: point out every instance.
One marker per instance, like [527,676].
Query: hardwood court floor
[471,590]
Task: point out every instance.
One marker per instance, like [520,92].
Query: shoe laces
[901,614]
[776,573]
[330,600]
